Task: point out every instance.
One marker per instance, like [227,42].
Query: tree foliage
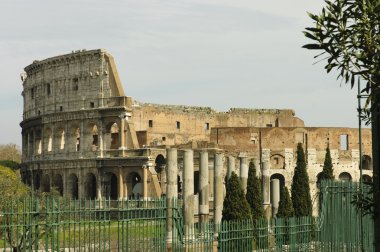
[10,152]
[285,209]
[235,205]
[348,34]
[327,172]
[254,194]
[300,186]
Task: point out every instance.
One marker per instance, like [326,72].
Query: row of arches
[278,162]
[344,176]
[108,182]
[60,138]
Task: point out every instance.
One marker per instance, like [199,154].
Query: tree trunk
[376,161]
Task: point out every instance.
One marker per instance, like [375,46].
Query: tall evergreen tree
[285,209]
[300,186]
[235,206]
[327,172]
[254,193]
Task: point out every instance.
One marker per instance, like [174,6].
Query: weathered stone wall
[174,125]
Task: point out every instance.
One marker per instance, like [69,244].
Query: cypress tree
[300,186]
[235,206]
[254,194]
[285,209]
[327,172]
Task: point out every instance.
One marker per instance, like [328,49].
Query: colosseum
[82,135]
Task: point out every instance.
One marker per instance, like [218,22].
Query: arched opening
[72,186]
[90,186]
[345,176]
[58,183]
[366,162]
[95,137]
[45,183]
[110,186]
[49,139]
[114,136]
[366,178]
[160,168]
[277,161]
[37,182]
[135,185]
[61,137]
[77,139]
[279,177]
[38,142]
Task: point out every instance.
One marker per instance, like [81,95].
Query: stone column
[145,181]
[163,179]
[125,189]
[99,187]
[244,172]
[188,193]
[266,190]
[218,192]
[122,133]
[120,183]
[231,166]
[171,192]
[258,168]
[275,195]
[100,135]
[203,187]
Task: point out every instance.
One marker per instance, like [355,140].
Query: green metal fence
[337,228]
[56,224]
[82,225]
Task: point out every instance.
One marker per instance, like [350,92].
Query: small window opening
[253,141]
[178,125]
[77,144]
[344,142]
[75,84]
[207,126]
[32,93]
[150,123]
[95,140]
[163,138]
[60,108]
[39,112]
[48,90]
[92,105]
[276,160]
[269,125]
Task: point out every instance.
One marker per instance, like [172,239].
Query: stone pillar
[120,183]
[218,192]
[99,187]
[171,192]
[257,166]
[203,187]
[275,195]
[100,134]
[122,132]
[230,166]
[125,189]
[244,172]
[81,139]
[145,182]
[266,190]
[163,179]
[188,193]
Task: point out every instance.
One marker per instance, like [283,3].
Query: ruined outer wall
[160,122]
[69,82]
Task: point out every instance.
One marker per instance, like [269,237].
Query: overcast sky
[218,53]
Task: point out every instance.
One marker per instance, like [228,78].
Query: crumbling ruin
[83,136]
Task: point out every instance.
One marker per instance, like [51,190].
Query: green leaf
[312,46]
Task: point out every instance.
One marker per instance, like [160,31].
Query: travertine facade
[82,135]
